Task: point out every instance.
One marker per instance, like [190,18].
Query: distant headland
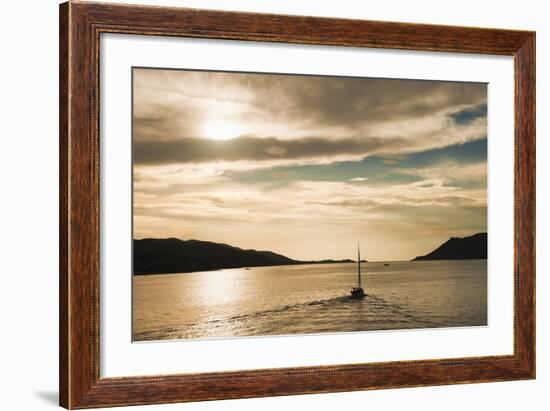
[466,248]
[172,255]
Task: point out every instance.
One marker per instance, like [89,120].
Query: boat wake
[339,314]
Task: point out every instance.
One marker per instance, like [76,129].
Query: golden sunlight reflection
[221,286]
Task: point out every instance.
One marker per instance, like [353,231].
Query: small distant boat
[358,292]
[386,264]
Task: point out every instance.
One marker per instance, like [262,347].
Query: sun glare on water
[221,130]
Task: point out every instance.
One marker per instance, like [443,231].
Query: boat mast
[358,266]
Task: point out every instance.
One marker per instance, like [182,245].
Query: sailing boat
[358,292]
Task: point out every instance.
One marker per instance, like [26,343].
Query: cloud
[238,213]
[407,168]
[179,116]
[390,161]
[178,104]
[346,101]
[452,174]
[276,150]
[197,150]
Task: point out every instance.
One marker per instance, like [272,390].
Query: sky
[307,166]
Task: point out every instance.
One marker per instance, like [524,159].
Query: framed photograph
[258,205]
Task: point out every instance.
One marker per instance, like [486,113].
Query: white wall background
[28,204]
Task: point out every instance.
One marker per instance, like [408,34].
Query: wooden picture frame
[80,27]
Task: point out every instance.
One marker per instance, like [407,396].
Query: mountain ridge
[456,248]
[172,255]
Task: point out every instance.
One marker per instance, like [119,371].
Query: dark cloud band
[196,150]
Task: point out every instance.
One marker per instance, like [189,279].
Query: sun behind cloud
[219,129]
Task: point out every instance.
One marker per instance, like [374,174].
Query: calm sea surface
[309,299]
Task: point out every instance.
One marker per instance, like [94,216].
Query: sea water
[303,299]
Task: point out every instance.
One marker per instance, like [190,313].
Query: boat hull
[357,292]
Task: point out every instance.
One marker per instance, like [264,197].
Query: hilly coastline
[466,248]
[171,255]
